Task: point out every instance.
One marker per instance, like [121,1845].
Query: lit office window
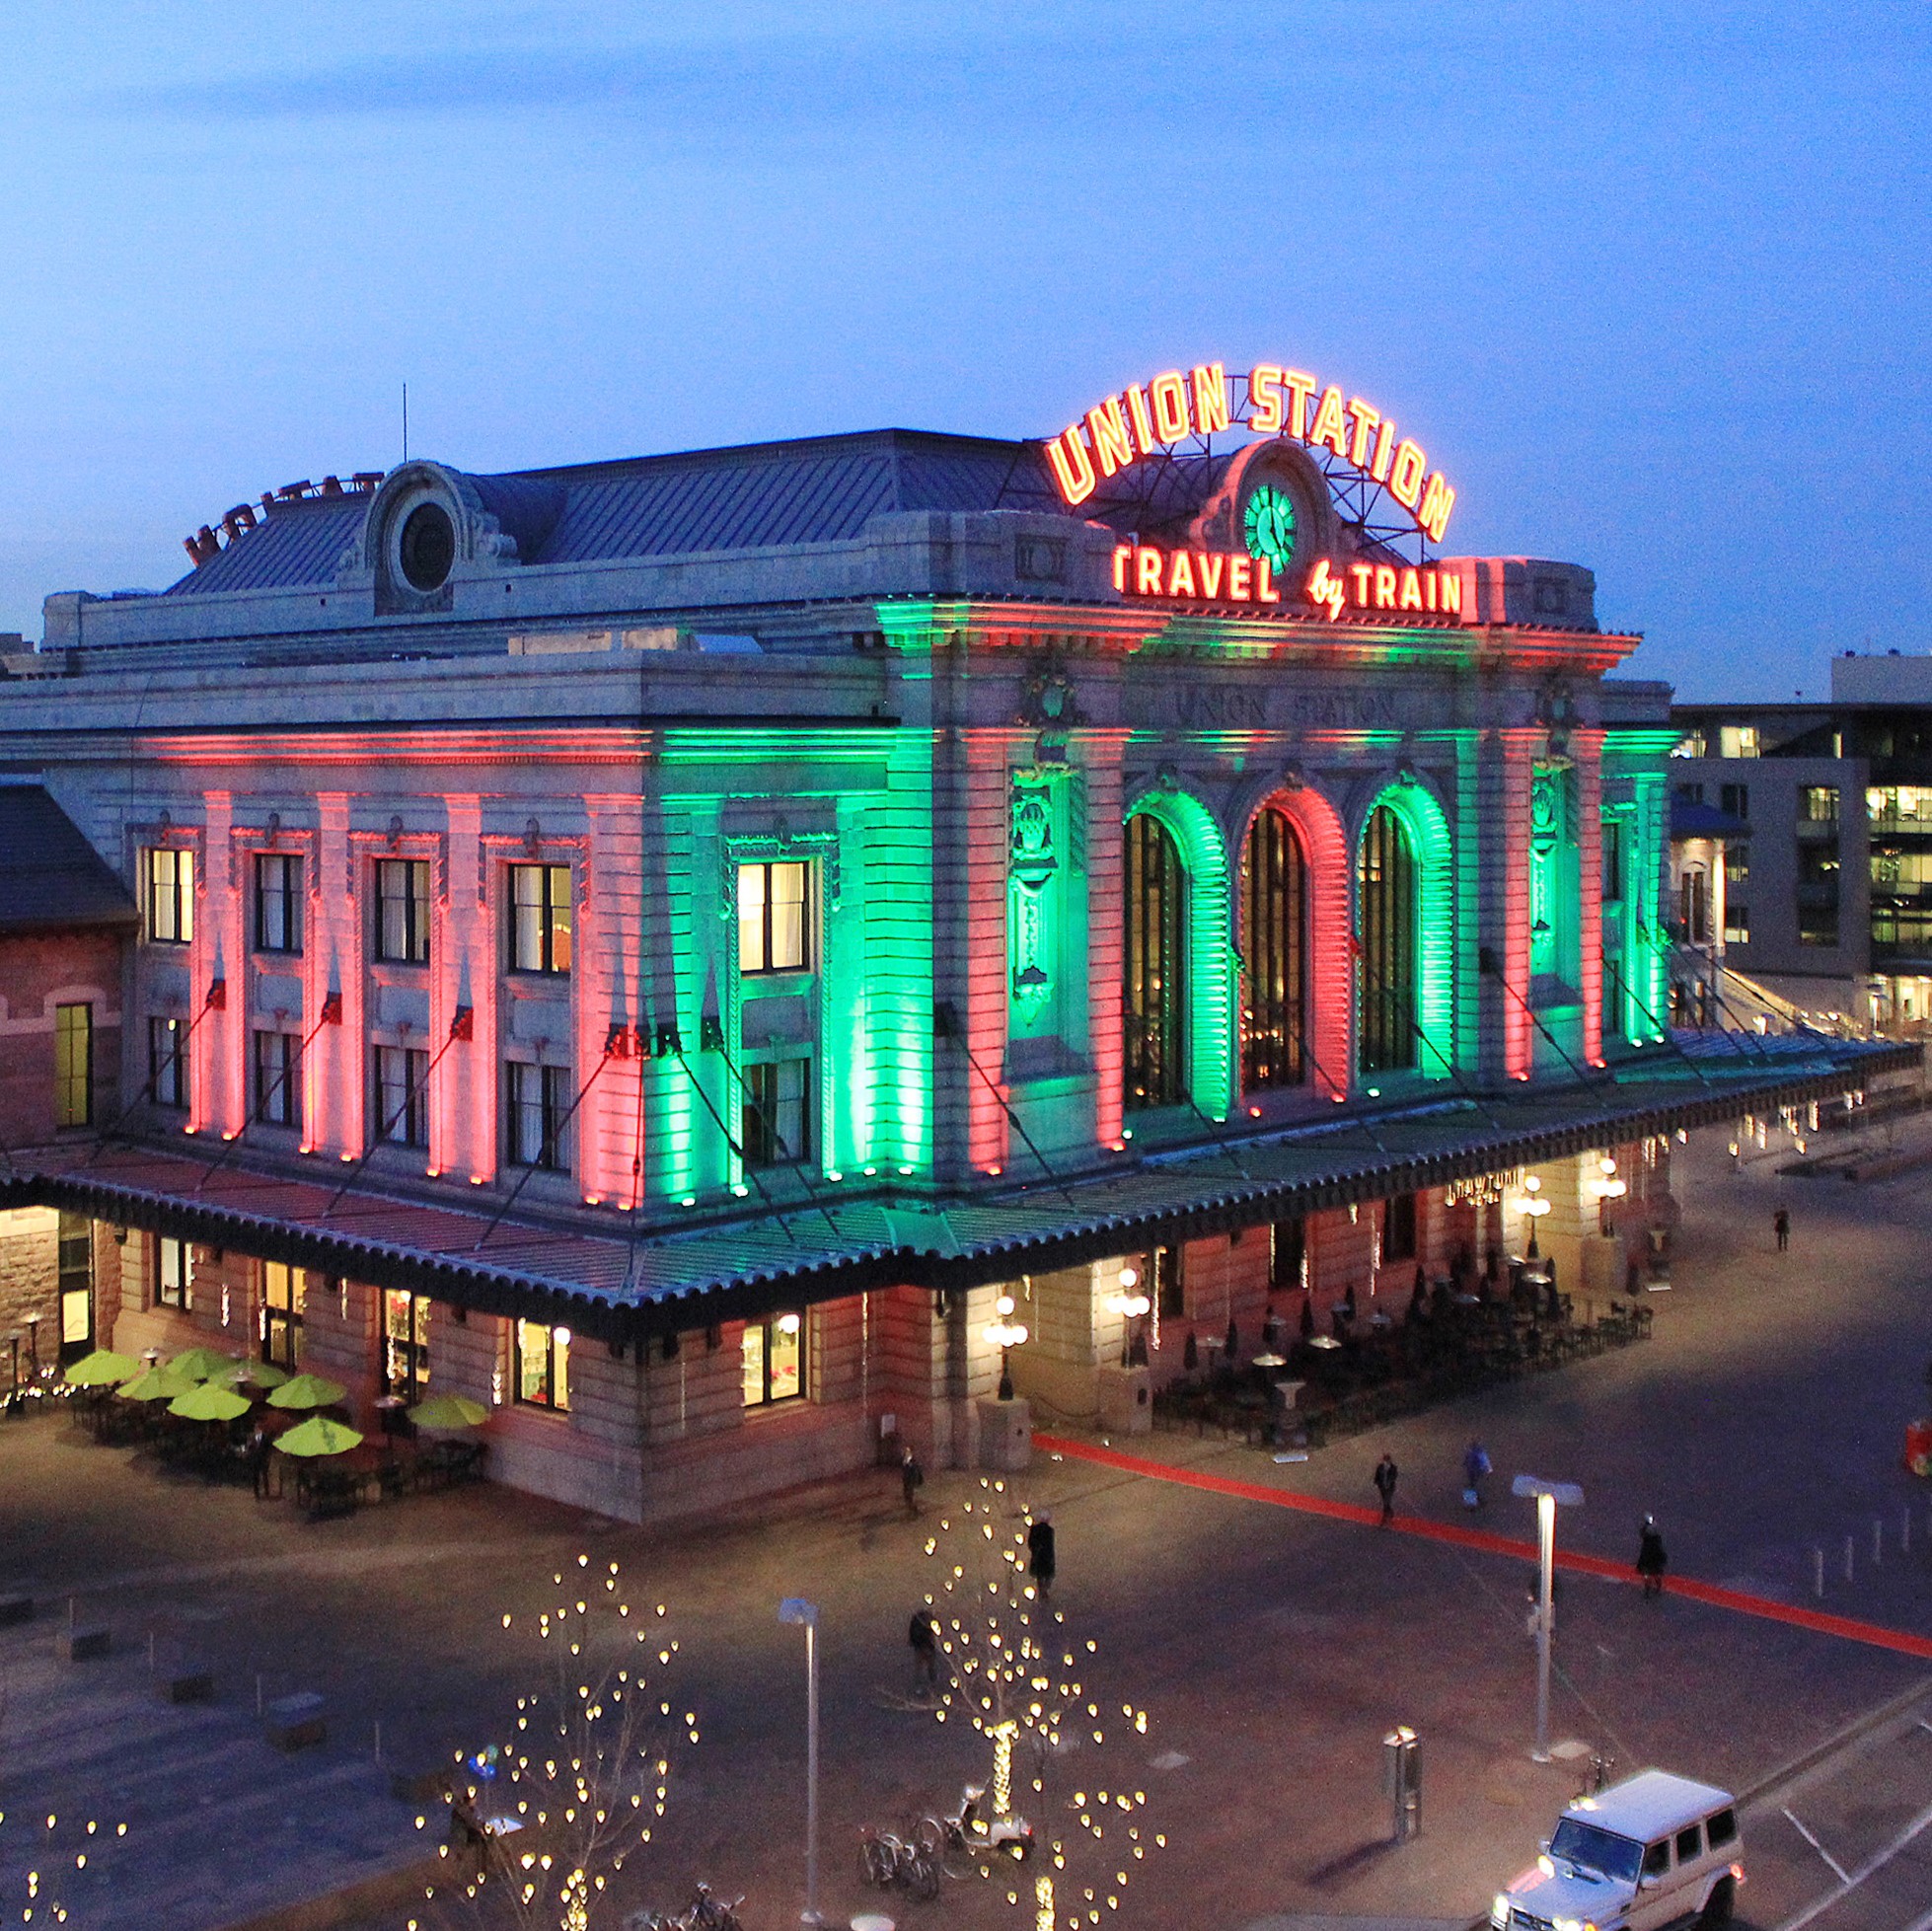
[1820,802]
[774,918]
[168,1062]
[540,918]
[406,1343]
[283,1290]
[278,903]
[402,909]
[543,1365]
[774,1360]
[170,891]
[73,1066]
[171,1278]
[777,1113]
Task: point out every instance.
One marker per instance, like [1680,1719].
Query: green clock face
[1269,522]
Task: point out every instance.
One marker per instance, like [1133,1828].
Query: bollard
[1402,1781]
[1877,1540]
[1848,1552]
[1818,1573]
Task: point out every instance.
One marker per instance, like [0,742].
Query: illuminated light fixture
[231,1136]
[688,1200]
[1129,1277]
[993,1172]
[1254,1112]
[1005,1335]
[475,1179]
[1533,1207]
[561,1336]
[1117,1146]
[872,1172]
[787,1324]
[905,1172]
[1126,1133]
[348,1160]
[432,1172]
[593,1200]
[833,1174]
[741,1190]
[305,1147]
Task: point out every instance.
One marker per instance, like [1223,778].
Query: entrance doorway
[76,1274]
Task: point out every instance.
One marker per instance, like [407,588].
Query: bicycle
[705,1912]
[965,1829]
[886,1859]
[1601,1764]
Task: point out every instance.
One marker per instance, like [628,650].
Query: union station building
[667,948]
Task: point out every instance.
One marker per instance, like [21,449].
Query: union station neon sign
[1151,419]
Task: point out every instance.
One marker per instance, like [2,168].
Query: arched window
[1275,974]
[1153,993]
[1387,881]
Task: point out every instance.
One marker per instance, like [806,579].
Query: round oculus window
[427,546]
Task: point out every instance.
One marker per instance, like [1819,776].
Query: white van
[1651,1851]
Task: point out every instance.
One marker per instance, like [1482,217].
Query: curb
[1846,1732]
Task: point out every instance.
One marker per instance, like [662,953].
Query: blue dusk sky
[1648,282]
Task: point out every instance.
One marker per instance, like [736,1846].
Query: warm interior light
[1129,1277]
[787,1324]
[1004,1306]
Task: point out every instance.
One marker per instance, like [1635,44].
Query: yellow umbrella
[449,1411]
[208,1402]
[103,1369]
[202,1365]
[318,1436]
[157,1384]
[307,1391]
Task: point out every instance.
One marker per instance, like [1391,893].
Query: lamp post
[1547,1495]
[1533,1207]
[1005,1335]
[1130,1305]
[796,1611]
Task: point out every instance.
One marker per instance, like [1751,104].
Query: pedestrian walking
[258,1453]
[1040,1554]
[1385,1473]
[912,1478]
[923,1633]
[1781,1227]
[1475,1466]
[1651,1559]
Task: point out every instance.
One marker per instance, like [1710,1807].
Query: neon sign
[1148,418]
[1396,588]
[1209,576]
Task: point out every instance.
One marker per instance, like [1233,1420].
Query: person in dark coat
[912,1478]
[1385,1473]
[923,1633]
[1040,1554]
[1781,1227]
[258,1453]
[1651,1559]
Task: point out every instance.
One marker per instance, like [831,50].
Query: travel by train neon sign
[1152,418]
[1209,576]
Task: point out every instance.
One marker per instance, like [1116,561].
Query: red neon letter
[1241,576]
[1107,427]
[1122,550]
[1265,399]
[1210,565]
[1210,398]
[1169,395]
[1384,449]
[1430,579]
[1384,586]
[1147,570]
[1330,428]
[1411,590]
[1326,592]
[1137,408]
[1405,478]
[1366,419]
[1362,572]
[1437,499]
[1299,388]
[1264,583]
[1451,591]
[1071,470]
[1180,575]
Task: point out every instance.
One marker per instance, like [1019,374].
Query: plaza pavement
[1273,1648]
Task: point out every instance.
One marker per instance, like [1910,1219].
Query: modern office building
[670,947]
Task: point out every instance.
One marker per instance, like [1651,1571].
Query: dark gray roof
[51,879]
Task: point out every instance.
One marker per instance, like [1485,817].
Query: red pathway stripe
[1873,1634]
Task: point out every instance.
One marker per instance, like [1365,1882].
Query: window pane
[526,918]
[559,919]
[533,1363]
[788,1349]
[787,918]
[73,1064]
[751,919]
[560,1338]
[754,1364]
[419,911]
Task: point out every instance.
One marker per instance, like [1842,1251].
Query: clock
[1269,524]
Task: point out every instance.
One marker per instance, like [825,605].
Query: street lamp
[796,1611]
[1130,1305]
[1533,1207]
[1547,1495]
[1005,1335]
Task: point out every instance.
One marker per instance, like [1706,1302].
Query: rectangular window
[406,1343]
[1737,740]
[170,886]
[1613,843]
[402,909]
[1818,924]
[1737,922]
[1691,745]
[278,903]
[1736,863]
[1818,863]
[774,918]
[1693,908]
[73,1066]
[171,1282]
[168,1062]
[774,1360]
[279,1078]
[1736,800]
[1657,1859]
[75,1259]
[540,918]
[1170,1283]
[1690,793]
[540,1100]
[402,1101]
[1723,1828]
[1690,1843]
[1400,1228]
[776,1116]
[283,1290]
[1288,1242]
[543,1365]
[1820,805]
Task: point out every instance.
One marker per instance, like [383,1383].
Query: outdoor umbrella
[207,1402]
[318,1436]
[449,1411]
[202,1365]
[103,1369]
[157,1384]
[257,1374]
[307,1391]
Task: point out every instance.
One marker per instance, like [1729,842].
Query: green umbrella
[318,1436]
[207,1402]
[307,1391]
[202,1365]
[449,1411]
[262,1374]
[103,1369]
[157,1384]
